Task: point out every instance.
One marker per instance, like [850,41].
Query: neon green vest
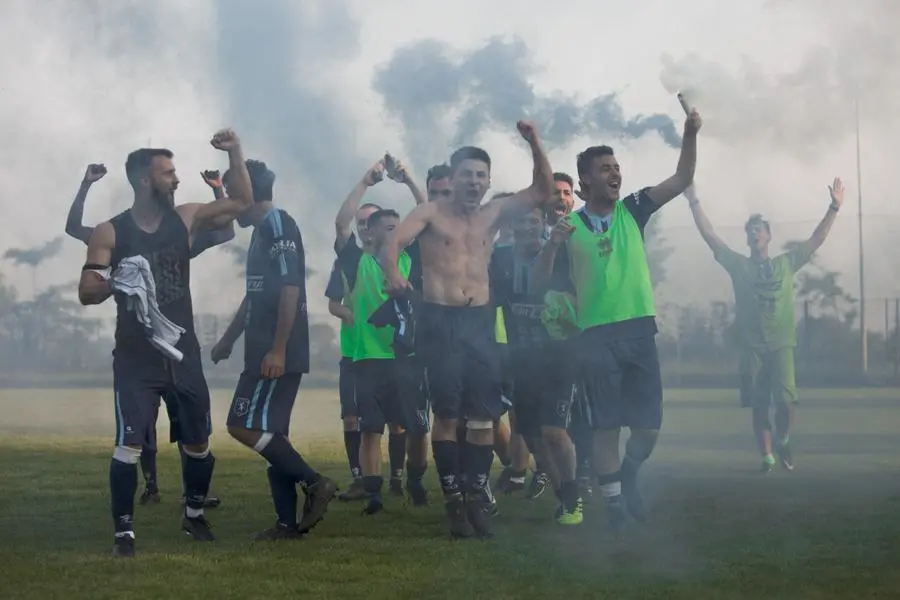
[500,326]
[368,296]
[609,271]
[348,332]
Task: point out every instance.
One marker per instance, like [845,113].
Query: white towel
[134,279]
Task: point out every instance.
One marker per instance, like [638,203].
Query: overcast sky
[319,89]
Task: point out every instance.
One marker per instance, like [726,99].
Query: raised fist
[375,174]
[94,172]
[225,140]
[693,123]
[527,130]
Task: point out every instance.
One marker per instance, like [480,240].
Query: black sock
[478,468]
[148,468]
[446,461]
[197,477]
[123,483]
[351,445]
[462,457]
[372,485]
[397,453]
[183,458]
[629,468]
[415,472]
[284,496]
[568,494]
[286,459]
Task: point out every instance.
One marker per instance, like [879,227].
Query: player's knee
[196,451]
[130,455]
[641,444]
[555,436]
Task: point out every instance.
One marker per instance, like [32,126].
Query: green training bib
[368,296]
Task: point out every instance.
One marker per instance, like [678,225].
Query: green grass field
[720,530]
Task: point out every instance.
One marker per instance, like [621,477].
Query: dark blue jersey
[275,260]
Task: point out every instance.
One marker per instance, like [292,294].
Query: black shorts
[172,412]
[622,381]
[543,392]
[139,382]
[391,391]
[580,418]
[458,346]
[264,404]
[347,388]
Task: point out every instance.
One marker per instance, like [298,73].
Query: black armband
[94,267]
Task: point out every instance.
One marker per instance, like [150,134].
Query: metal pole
[864,334]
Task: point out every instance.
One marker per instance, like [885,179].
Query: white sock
[193,513]
[608,490]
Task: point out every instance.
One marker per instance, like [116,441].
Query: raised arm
[542,189]
[820,233]
[400,174]
[545,264]
[407,231]
[74,222]
[344,219]
[675,185]
[94,288]
[222,211]
[705,228]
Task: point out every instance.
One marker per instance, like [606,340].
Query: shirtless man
[455,336]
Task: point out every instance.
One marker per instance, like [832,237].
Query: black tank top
[168,250]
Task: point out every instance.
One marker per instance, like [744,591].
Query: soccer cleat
[489,502]
[280,531]
[575,516]
[319,496]
[150,497]
[460,527]
[198,528]
[616,513]
[396,486]
[539,483]
[477,513]
[354,492]
[785,456]
[417,492]
[123,547]
[373,506]
[634,502]
[768,463]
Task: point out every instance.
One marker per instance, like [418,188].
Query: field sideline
[720,530]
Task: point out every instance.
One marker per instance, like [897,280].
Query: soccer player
[206,238]
[337,292]
[604,259]
[163,234]
[764,301]
[275,324]
[389,388]
[456,335]
[542,369]
[564,199]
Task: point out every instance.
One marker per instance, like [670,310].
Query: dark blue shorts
[621,380]
[459,349]
[264,404]
[139,381]
[391,391]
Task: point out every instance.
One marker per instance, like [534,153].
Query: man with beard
[541,368]
[143,257]
[764,303]
[389,389]
[456,323]
[604,259]
[206,238]
[275,325]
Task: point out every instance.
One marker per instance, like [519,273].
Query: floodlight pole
[864,334]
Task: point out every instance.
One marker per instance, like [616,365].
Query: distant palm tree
[33,257]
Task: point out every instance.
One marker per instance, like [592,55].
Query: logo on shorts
[241,406]
[562,408]
[420,418]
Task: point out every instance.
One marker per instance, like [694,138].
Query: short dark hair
[756,219]
[560,176]
[378,215]
[139,161]
[262,180]
[587,157]
[469,153]
[438,172]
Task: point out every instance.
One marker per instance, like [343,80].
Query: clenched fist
[225,140]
